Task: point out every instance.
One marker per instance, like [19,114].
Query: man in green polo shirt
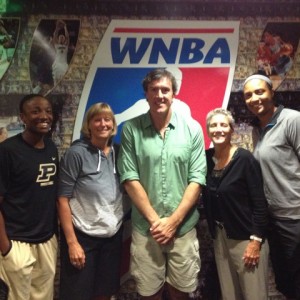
[162,166]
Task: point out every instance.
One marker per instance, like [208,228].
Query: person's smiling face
[159,95]
[101,127]
[37,115]
[219,130]
[259,97]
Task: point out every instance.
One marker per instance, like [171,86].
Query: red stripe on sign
[174,30]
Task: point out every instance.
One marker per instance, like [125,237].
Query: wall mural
[9,34]
[86,33]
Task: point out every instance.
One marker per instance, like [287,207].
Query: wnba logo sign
[201,55]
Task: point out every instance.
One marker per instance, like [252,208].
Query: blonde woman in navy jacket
[236,211]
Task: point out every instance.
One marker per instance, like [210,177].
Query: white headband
[259,76]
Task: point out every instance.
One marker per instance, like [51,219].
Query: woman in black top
[236,213]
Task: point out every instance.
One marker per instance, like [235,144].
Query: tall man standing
[162,165]
[28,223]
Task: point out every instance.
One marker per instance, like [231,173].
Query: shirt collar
[272,121]
[275,116]
[147,122]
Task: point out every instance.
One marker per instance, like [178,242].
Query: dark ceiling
[171,9]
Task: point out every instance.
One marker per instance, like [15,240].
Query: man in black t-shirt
[28,190]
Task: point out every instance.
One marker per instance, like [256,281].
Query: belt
[219,224]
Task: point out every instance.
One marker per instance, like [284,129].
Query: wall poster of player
[276,50]
[53,46]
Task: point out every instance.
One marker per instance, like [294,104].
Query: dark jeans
[284,242]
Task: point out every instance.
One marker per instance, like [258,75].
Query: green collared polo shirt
[164,167]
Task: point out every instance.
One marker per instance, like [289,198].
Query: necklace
[222,162]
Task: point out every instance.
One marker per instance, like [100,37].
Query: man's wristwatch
[256,238]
